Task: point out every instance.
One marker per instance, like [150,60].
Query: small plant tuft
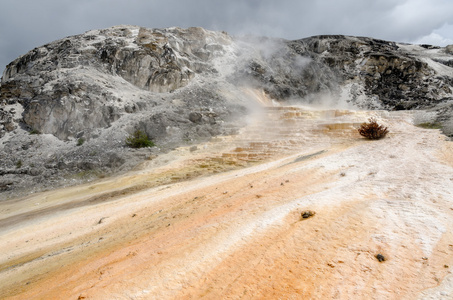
[429,125]
[35,131]
[372,130]
[80,141]
[19,164]
[139,139]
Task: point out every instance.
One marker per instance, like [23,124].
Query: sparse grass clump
[372,130]
[19,164]
[429,125]
[35,131]
[139,139]
[80,141]
[86,174]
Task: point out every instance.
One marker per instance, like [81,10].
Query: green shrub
[139,139]
[35,131]
[372,130]
[80,141]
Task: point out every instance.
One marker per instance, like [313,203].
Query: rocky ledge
[67,107]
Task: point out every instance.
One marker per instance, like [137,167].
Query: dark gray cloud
[25,24]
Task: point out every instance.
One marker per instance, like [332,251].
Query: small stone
[380,257]
[307,214]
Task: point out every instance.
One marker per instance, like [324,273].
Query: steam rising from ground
[265,65]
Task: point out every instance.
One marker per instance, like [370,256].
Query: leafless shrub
[372,130]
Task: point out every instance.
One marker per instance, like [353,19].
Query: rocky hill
[67,107]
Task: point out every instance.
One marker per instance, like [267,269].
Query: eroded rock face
[69,85]
[387,71]
[389,75]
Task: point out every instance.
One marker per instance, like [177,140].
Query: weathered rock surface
[83,95]
[384,74]
[72,85]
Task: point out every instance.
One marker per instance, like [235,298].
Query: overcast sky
[26,24]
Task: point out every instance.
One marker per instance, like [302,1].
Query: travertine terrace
[222,220]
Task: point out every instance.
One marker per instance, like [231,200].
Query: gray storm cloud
[26,24]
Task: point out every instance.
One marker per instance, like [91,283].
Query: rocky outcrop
[389,72]
[388,75]
[71,85]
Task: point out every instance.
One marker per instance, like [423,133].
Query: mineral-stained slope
[382,226]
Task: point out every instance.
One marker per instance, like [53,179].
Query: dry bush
[372,130]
